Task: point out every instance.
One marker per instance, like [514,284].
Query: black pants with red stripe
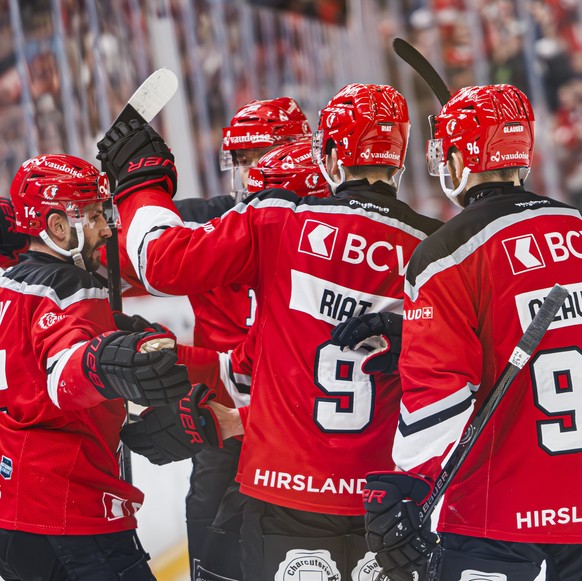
[104,557]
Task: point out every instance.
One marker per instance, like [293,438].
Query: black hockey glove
[378,333]
[137,157]
[139,367]
[137,324]
[394,529]
[173,433]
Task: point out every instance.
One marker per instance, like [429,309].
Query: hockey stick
[520,356]
[147,101]
[411,56]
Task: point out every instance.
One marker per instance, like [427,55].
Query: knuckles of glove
[394,527]
[114,366]
[137,324]
[125,141]
[136,156]
[173,433]
[152,436]
[357,329]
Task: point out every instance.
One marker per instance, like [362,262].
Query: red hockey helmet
[368,125]
[492,126]
[289,167]
[54,182]
[263,124]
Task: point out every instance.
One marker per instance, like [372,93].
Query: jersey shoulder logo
[318,239]
[523,253]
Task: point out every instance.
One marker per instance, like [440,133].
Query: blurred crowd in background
[67,67]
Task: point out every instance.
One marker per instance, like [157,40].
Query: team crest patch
[6,468]
[472,575]
[367,568]
[304,565]
[49,319]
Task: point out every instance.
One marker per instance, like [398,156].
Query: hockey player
[314,420]
[224,315]
[471,290]
[161,436]
[64,510]
[287,166]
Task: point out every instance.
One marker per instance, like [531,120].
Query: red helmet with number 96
[289,167]
[54,182]
[492,126]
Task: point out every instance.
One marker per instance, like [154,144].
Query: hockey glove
[394,527]
[139,367]
[137,157]
[137,324]
[173,433]
[379,333]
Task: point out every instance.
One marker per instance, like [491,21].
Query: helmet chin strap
[453,195]
[395,181]
[333,185]
[74,253]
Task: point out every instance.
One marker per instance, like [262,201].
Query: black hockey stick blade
[520,356]
[419,63]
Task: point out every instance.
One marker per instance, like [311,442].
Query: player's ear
[455,164]
[57,226]
[333,166]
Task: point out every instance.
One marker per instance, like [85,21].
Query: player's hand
[139,367]
[379,333]
[172,433]
[394,527]
[137,324]
[137,157]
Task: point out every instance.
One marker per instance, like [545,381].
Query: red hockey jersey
[223,315]
[317,423]
[472,289]
[59,439]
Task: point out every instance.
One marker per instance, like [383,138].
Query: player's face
[247,158]
[96,232]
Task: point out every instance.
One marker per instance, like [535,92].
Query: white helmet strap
[74,253]
[333,185]
[453,195]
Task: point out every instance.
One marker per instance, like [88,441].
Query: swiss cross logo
[318,239]
[523,253]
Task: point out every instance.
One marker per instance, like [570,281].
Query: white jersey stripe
[476,242]
[40,290]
